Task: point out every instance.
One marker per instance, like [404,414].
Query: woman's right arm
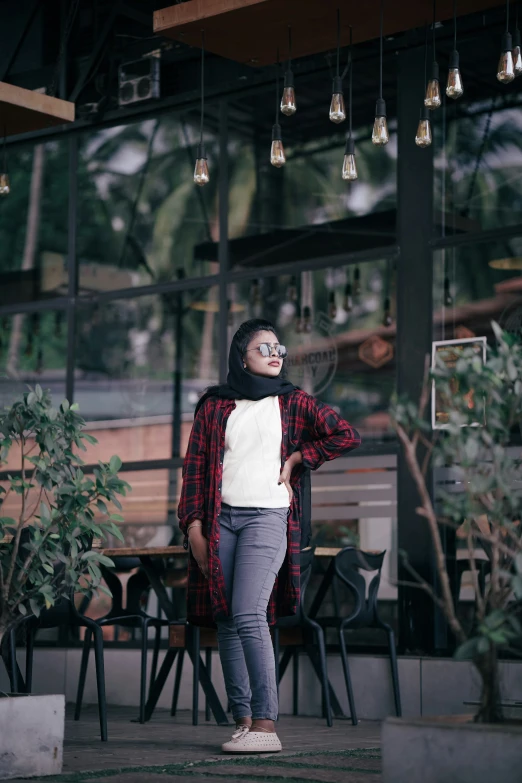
[191,506]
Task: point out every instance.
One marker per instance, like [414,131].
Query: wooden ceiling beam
[252,31]
[24,111]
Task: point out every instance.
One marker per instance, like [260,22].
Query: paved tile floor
[171,749]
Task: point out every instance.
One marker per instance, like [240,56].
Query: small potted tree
[484,404]
[50,514]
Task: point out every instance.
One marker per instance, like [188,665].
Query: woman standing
[245,509]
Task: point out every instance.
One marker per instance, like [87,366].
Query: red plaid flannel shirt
[308,426]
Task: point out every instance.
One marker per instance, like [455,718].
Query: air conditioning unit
[139,80]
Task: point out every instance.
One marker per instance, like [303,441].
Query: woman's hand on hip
[294,459]
[199,549]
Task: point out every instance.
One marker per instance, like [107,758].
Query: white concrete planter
[31,735]
[440,750]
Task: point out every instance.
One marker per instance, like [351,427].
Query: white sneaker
[246,741]
[237,735]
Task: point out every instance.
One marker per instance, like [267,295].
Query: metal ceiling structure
[107,33]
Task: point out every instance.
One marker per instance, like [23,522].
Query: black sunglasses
[265,349]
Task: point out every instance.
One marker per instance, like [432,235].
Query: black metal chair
[297,632]
[131,616]
[347,564]
[64,613]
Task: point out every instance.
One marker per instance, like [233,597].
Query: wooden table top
[142,551]
[169,551]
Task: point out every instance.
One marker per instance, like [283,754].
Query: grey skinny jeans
[252,549]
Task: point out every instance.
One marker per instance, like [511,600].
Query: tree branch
[420,583]
[35,506]
[420,483]
[477,533]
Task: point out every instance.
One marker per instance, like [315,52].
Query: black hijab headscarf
[242,384]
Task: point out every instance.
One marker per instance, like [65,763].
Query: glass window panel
[33,349]
[33,224]
[306,210]
[477,169]
[140,213]
[477,284]
[347,360]
[150,519]
[141,365]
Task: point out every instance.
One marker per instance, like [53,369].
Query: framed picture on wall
[449,352]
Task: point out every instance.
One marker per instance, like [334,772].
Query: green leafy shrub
[486,512]
[46,548]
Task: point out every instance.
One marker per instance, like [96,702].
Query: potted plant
[484,404]
[50,514]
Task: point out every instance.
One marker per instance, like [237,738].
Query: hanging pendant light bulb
[517,54]
[454,87]
[349,170]
[337,107]
[380,134]
[288,103]
[348,301]
[506,70]
[423,137]
[201,175]
[433,99]
[277,151]
[5,187]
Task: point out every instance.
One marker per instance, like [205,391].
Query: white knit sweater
[252,462]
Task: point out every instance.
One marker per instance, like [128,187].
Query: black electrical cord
[350,66]
[202,86]
[337,70]
[380,48]
[433,28]
[277,91]
[426,55]
[455,24]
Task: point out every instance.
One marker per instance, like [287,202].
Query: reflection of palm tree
[142,175]
[478,173]
[483,158]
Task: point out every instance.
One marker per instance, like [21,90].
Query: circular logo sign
[311,363]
